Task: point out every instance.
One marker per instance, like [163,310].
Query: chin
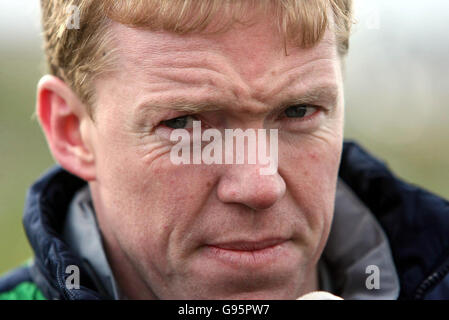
[263,295]
[255,287]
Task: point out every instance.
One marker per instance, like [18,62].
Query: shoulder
[415,221]
[18,285]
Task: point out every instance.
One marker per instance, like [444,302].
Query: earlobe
[67,127]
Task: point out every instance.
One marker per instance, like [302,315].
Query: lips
[249,245]
[253,255]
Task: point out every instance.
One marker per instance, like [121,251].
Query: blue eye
[299,111]
[183,122]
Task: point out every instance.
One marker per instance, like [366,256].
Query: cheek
[150,204]
[310,171]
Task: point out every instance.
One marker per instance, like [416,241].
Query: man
[126,222]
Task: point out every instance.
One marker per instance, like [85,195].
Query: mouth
[251,254]
[249,245]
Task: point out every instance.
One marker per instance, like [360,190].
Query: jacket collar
[44,214]
[82,234]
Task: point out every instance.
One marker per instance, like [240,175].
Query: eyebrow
[177,104]
[182,104]
[327,93]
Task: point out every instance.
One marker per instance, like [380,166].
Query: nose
[243,184]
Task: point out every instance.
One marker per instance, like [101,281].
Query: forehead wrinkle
[299,80]
[318,59]
[196,94]
[189,76]
[213,70]
[276,80]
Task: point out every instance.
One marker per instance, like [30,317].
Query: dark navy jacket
[415,221]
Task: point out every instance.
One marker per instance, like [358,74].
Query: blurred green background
[397,88]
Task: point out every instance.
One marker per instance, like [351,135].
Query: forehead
[259,43]
[250,61]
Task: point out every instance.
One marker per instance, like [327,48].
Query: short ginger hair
[78,56]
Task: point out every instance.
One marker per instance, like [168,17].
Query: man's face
[216,231]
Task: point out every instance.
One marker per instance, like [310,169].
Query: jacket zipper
[431,281]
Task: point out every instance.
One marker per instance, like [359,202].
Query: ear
[67,126]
